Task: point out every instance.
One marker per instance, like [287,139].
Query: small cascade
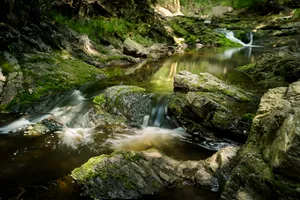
[158,116]
[68,112]
[230,35]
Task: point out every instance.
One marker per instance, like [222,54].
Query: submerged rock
[129,174]
[129,102]
[210,105]
[268,166]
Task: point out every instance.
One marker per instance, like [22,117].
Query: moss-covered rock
[210,105]
[195,31]
[268,165]
[274,69]
[130,102]
[129,174]
[206,82]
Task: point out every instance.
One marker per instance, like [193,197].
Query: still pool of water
[29,164]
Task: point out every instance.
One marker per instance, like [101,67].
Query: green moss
[223,41]
[100,99]
[193,31]
[6,68]
[248,117]
[47,74]
[87,170]
[296,13]
[245,67]
[112,29]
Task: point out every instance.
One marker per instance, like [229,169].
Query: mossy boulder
[134,49]
[206,82]
[274,69]
[130,175]
[129,102]
[210,105]
[268,166]
[195,31]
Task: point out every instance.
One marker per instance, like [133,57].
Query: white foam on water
[18,124]
[69,109]
[75,137]
[147,137]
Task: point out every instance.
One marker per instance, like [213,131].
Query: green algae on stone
[205,82]
[131,102]
[49,73]
[267,164]
[194,31]
[88,170]
[274,69]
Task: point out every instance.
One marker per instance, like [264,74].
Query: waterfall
[159,117]
[230,35]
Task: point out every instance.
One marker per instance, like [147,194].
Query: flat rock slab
[206,82]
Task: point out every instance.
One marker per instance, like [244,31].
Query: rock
[268,165]
[2,77]
[13,87]
[274,69]
[134,49]
[158,50]
[36,130]
[129,102]
[129,174]
[205,82]
[219,11]
[163,11]
[210,106]
[207,112]
[2,82]
[1,87]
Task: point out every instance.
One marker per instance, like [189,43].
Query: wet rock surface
[134,49]
[275,69]
[206,82]
[267,166]
[129,174]
[210,105]
[128,102]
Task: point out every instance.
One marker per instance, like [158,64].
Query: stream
[33,163]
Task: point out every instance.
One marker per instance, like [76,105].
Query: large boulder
[219,11]
[210,105]
[206,82]
[133,48]
[129,174]
[129,103]
[268,166]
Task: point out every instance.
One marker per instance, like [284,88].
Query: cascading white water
[69,112]
[20,123]
[141,139]
[230,35]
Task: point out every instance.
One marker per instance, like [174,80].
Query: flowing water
[29,164]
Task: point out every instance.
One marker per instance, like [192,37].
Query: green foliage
[146,41]
[109,28]
[247,3]
[6,68]
[248,117]
[296,14]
